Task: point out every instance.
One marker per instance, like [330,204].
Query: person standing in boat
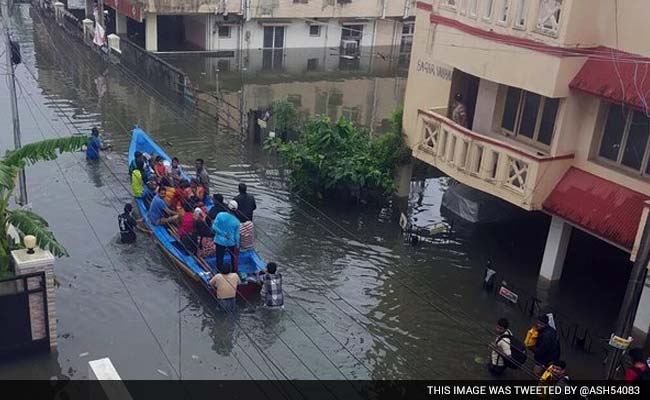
[226,282]
[226,235]
[202,176]
[137,163]
[246,204]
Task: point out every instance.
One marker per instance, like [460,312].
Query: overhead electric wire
[310,204]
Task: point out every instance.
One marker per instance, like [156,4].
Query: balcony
[488,163]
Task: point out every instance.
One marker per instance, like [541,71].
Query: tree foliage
[285,116]
[27,222]
[338,158]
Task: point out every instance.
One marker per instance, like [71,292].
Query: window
[300,1]
[548,20]
[273,37]
[625,139]
[488,6]
[522,13]
[352,32]
[295,99]
[504,10]
[351,114]
[312,64]
[472,8]
[224,31]
[449,3]
[314,30]
[529,116]
[408,29]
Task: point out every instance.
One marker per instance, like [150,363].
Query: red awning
[616,76]
[602,207]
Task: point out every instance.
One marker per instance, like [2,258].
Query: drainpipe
[248,10]
[383,9]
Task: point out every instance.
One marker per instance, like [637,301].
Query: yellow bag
[531,337]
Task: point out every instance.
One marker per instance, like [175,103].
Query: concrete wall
[429,79]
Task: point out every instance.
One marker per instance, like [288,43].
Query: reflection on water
[317,81]
[360,303]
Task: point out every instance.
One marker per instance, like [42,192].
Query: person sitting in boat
[159,211]
[138,158]
[226,234]
[186,231]
[226,281]
[176,172]
[159,167]
[204,233]
[272,295]
[150,191]
[197,191]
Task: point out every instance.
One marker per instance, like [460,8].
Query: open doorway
[467,86]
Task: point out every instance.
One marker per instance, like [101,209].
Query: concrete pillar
[89,8]
[89,29]
[40,261]
[403,179]
[120,23]
[484,112]
[641,326]
[151,32]
[557,243]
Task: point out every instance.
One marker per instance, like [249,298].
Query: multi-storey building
[227,25]
[556,97]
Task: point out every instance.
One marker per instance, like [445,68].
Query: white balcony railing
[487,163]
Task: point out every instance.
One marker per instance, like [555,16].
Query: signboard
[619,343]
[508,294]
[130,8]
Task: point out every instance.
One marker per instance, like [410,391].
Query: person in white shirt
[500,348]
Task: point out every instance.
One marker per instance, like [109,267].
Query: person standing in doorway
[226,282]
[246,203]
[226,235]
[202,176]
[500,348]
[459,113]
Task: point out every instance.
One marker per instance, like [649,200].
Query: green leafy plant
[339,159]
[285,116]
[27,222]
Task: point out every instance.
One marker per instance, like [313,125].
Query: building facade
[557,118]
[227,25]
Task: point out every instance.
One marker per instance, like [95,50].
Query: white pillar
[40,261]
[557,243]
[120,23]
[151,32]
[642,318]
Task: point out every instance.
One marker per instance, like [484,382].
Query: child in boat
[272,295]
[205,236]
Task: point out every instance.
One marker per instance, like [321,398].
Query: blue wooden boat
[201,270]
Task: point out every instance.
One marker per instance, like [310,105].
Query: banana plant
[24,221]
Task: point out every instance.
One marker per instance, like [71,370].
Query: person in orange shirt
[160,168]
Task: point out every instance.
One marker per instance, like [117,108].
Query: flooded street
[360,301]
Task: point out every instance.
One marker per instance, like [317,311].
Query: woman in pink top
[186,229]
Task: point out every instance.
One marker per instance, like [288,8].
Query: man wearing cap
[226,235]
[127,225]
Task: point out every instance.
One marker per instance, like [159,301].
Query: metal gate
[24,318]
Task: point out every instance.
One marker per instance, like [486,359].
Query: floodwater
[360,301]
